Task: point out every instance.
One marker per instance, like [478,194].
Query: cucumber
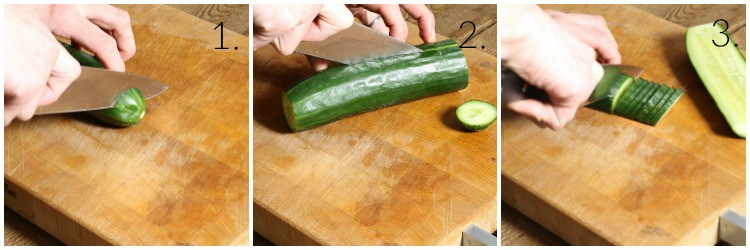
[673,98]
[628,98]
[722,70]
[652,102]
[619,83]
[649,118]
[476,115]
[641,98]
[352,89]
[128,110]
[130,106]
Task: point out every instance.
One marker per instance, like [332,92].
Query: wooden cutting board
[179,177]
[607,180]
[402,175]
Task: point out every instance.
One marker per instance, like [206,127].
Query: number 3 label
[726,24]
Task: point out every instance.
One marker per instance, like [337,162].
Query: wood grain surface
[608,180]
[402,175]
[179,177]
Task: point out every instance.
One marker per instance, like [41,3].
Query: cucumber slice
[722,70]
[673,98]
[619,84]
[627,99]
[641,98]
[476,115]
[650,119]
[652,102]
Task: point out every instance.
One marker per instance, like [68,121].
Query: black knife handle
[514,88]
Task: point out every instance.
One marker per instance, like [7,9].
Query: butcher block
[606,180]
[402,175]
[178,177]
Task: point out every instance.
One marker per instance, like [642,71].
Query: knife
[99,89]
[514,88]
[356,44]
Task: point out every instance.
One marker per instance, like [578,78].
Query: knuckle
[122,16]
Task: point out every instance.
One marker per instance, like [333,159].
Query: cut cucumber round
[476,115]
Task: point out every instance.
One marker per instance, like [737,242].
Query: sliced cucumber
[619,83]
[673,98]
[722,70]
[647,92]
[629,97]
[649,118]
[652,102]
[476,115]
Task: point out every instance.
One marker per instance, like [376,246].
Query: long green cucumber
[722,70]
[352,89]
[130,106]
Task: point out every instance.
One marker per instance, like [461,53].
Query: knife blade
[514,88]
[356,44]
[99,89]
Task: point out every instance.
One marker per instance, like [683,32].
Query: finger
[115,20]
[425,19]
[65,71]
[331,19]
[319,64]
[92,38]
[597,72]
[286,43]
[391,15]
[545,114]
[370,19]
[27,111]
[530,108]
[597,35]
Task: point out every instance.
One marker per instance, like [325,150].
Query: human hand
[389,22]
[285,26]
[41,68]
[552,57]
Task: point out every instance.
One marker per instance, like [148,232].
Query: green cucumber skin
[660,106]
[639,92]
[85,59]
[640,99]
[673,98]
[128,110]
[352,89]
[130,106]
[652,102]
[722,70]
[620,83]
[627,99]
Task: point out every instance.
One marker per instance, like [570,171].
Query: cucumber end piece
[476,115]
[129,109]
[288,111]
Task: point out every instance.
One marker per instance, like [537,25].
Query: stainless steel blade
[356,44]
[99,89]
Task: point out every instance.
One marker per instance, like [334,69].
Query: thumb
[287,42]
[597,72]
[65,70]
[542,114]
